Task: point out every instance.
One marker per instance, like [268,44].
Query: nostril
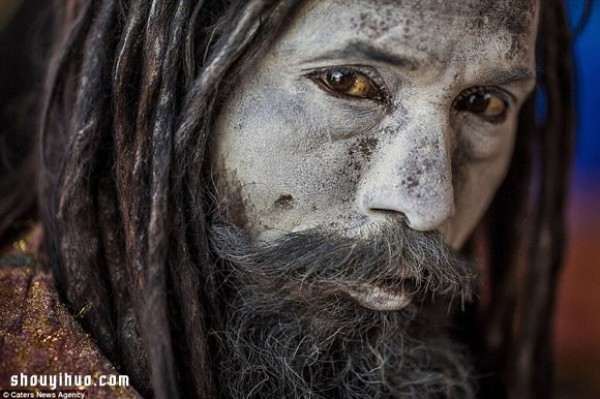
[399,217]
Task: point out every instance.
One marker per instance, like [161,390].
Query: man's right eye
[348,82]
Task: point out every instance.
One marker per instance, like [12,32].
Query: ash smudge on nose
[361,151]
[359,156]
[411,181]
[366,146]
[284,201]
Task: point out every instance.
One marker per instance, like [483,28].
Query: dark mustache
[397,257]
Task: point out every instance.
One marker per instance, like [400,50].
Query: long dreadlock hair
[124,195]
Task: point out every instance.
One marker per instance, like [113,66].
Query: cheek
[484,143]
[475,185]
[289,160]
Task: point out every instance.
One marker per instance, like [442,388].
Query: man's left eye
[486,104]
[348,82]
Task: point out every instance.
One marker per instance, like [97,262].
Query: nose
[412,175]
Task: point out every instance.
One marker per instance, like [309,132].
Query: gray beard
[290,331]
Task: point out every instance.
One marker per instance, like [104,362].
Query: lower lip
[380,299]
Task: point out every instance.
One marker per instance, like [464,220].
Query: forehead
[443,29]
[514,15]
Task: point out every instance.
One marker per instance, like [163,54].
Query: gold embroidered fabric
[38,336]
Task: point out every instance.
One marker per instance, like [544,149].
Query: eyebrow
[505,78]
[366,50]
[377,54]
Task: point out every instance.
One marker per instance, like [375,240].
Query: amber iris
[349,82]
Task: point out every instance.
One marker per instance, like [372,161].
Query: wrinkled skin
[290,154]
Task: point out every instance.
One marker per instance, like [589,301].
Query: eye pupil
[341,80]
[478,102]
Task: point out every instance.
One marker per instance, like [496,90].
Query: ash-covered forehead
[516,16]
[476,18]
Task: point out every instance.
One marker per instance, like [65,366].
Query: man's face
[367,112]
[365,116]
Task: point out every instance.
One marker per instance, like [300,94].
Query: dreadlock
[126,101]
[527,224]
[124,193]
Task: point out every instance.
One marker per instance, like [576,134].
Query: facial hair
[291,330]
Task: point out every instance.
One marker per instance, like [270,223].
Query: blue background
[587,53]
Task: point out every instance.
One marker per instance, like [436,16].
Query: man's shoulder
[40,337]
